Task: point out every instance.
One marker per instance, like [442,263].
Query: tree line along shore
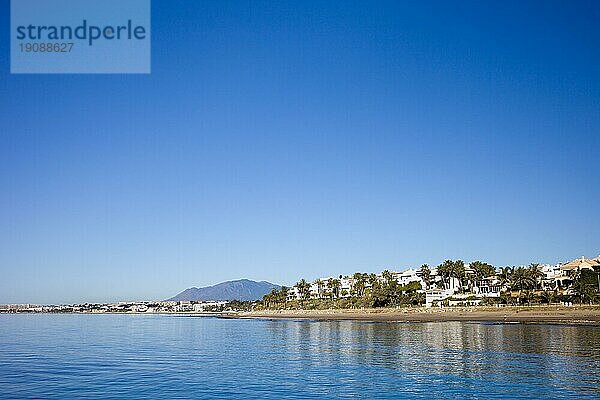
[452,283]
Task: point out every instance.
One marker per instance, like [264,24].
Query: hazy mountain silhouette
[242,289]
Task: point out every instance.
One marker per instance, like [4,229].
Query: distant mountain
[243,289]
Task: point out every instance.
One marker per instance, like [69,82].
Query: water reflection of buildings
[451,352]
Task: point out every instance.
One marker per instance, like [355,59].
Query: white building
[488,287]
[346,287]
[408,276]
[293,293]
[436,295]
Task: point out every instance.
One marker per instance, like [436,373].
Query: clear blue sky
[281,140]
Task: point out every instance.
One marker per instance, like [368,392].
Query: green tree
[527,296]
[417,298]
[390,288]
[459,271]
[283,294]
[548,296]
[425,274]
[482,270]
[451,269]
[320,287]
[505,276]
[379,296]
[536,274]
[270,299]
[373,282]
[412,286]
[584,285]
[522,279]
[358,284]
[303,288]
[334,286]
[444,270]
[388,277]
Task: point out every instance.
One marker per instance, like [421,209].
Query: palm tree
[444,270]
[303,289]
[481,270]
[528,295]
[334,286]
[388,277]
[320,287]
[505,276]
[358,285]
[535,273]
[582,289]
[425,274]
[522,279]
[270,298]
[548,296]
[459,271]
[451,269]
[373,281]
[283,294]
[389,293]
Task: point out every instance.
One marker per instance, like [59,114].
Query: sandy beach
[588,315]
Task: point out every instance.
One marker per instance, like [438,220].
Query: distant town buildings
[121,307]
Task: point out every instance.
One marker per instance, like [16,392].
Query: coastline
[583,315]
[571,315]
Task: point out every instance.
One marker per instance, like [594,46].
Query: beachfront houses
[569,271]
[472,288]
[347,286]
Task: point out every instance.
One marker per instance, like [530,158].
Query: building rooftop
[581,263]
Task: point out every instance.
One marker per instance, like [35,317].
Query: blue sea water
[179,357]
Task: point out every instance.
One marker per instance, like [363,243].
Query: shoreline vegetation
[452,283]
[451,291]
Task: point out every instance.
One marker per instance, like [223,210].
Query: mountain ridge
[240,289]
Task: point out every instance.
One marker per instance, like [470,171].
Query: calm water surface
[176,357]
